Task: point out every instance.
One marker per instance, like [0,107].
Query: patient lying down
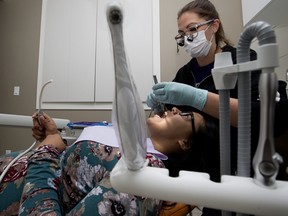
[74,180]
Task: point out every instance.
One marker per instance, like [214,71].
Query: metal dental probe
[163,108]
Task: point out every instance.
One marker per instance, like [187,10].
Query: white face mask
[199,47]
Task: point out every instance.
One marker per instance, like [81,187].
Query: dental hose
[14,160]
[128,116]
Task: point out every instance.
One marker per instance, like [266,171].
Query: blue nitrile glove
[179,94]
[154,104]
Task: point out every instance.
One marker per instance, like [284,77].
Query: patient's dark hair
[204,145]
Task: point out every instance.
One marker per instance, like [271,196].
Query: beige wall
[19,43]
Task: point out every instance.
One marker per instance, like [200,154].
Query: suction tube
[265,35]
[128,117]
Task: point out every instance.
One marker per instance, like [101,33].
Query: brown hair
[205,9]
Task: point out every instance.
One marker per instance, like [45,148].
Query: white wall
[252,7]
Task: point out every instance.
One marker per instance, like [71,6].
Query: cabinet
[76,51]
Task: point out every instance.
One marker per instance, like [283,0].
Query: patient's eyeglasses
[191,33]
[192,118]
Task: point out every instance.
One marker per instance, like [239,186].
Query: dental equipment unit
[261,195]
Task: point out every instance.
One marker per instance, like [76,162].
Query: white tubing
[13,161]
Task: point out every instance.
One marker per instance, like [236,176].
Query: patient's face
[169,127]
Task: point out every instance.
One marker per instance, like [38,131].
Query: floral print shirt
[75,182]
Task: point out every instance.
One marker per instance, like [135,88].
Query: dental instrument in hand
[162,106]
[40,112]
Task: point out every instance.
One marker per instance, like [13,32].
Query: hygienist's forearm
[212,108]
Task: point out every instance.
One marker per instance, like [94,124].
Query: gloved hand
[154,104]
[178,94]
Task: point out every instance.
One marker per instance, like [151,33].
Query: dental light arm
[234,193]
[128,117]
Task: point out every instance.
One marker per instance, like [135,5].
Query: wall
[19,43]
[252,7]
[282,35]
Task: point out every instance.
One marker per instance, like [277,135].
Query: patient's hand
[45,130]
[43,126]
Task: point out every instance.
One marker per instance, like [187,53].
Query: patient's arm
[41,187]
[42,182]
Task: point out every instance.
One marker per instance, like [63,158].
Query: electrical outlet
[16,90]
[7,151]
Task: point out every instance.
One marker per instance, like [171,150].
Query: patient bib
[107,136]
